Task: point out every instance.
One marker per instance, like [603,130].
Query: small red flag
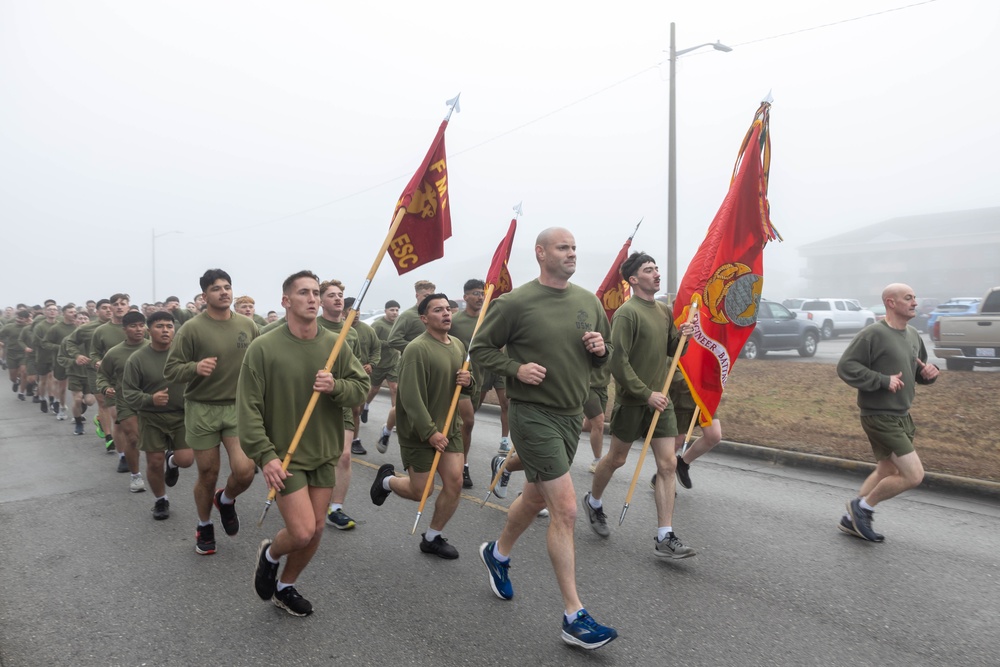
[727,273]
[421,234]
[498,275]
[614,291]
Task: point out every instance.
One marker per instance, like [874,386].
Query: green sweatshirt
[54,338]
[644,339]
[390,355]
[369,346]
[11,335]
[544,325]
[874,355]
[40,331]
[462,326]
[426,385]
[105,337]
[275,387]
[336,327]
[203,337]
[406,327]
[78,343]
[143,377]
[109,375]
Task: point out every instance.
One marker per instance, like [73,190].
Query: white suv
[837,316]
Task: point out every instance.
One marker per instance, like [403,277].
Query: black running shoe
[43,405]
[204,540]
[123,464]
[466,479]
[439,547]
[170,475]
[265,574]
[357,449]
[290,600]
[230,522]
[683,475]
[14,385]
[378,492]
[161,509]
[847,527]
[862,520]
[55,407]
[78,427]
[364,415]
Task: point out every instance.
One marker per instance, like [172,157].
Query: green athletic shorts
[379,375]
[59,372]
[348,419]
[43,367]
[546,441]
[160,431]
[123,411]
[92,381]
[78,383]
[596,403]
[420,457]
[323,477]
[889,434]
[207,424]
[631,422]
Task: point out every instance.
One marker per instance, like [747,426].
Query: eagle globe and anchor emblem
[733,294]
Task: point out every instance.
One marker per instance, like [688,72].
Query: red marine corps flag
[614,291]
[427,220]
[498,276]
[727,273]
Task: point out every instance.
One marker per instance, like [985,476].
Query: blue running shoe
[499,580]
[585,632]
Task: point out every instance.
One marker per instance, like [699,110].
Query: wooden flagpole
[656,415]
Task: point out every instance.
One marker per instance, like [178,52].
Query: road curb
[932,480]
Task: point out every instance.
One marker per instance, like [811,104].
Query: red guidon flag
[614,291]
[498,275]
[427,222]
[726,275]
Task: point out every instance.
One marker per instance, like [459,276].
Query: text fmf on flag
[727,273]
[426,223]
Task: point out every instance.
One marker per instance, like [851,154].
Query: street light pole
[153,237]
[672,160]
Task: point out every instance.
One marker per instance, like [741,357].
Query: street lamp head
[719,46]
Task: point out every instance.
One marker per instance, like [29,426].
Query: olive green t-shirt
[426,385]
[143,377]
[275,387]
[202,337]
[544,325]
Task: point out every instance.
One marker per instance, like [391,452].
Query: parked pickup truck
[966,341]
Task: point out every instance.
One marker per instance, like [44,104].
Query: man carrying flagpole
[277,380]
[428,373]
[644,339]
[545,336]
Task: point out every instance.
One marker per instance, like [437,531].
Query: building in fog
[941,255]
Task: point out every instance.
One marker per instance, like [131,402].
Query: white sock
[204,523]
[336,506]
[385,483]
[570,617]
[170,462]
[270,559]
[163,497]
[121,455]
[865,505]
[662,532]
[499,556]
[591,500]
[226,500]
[282,585]
[431,534]
[366,406]
[385,431]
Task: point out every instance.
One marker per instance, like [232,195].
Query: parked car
[794,303]
[964,305]
[879,311]
[778,328]
[837,316]
[967,341]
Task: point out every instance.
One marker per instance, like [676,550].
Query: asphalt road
[90,579]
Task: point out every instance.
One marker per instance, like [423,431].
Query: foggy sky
[273,137]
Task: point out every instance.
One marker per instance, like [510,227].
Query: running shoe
[357,449]
[671,547]
[499,577]
[438,546]
[289,599]
[230,521]
[204,539]
[136,484]
[585,632]
[170,475]
[500,490]
[339,520]
[466,479]
[161,509]
[683,475]
[378,492]
[265,574]
[598,519]
[97,427]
